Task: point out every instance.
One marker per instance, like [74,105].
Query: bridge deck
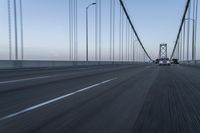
[111,99]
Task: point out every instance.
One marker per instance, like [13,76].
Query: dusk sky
[46,26]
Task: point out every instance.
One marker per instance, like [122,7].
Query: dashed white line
[36,78]
[27,79]
[54,100]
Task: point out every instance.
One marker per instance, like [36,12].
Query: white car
[164,61]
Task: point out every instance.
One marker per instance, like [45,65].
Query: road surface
[101,99]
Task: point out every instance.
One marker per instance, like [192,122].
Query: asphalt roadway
[142,98]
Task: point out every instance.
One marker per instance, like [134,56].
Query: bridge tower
[163,51]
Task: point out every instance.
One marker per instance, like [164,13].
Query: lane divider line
[35,78]
[54,100]
[27,79]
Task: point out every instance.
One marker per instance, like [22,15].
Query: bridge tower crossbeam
[163,51]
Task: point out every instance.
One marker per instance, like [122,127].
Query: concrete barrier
[190,62]
[6,64]
[195,63]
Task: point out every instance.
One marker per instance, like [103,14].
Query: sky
[46,27]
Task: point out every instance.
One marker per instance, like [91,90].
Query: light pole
[87,28]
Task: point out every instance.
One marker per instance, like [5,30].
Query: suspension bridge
[105,81]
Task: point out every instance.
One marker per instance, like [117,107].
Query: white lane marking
[54,100]
[27,79]
[34,78]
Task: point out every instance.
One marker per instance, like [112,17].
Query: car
[175,61]
[164,61]
[156,61]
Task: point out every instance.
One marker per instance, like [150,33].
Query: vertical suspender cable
[138,53]
[76,32]
[143,56]
[99,30]
[75,28]
[70,28]
[122,37]
[86,50]
[184,40]
[96,28]
[113,30]
[193,29]
[75,44]
[180,45]
[10,31]
[74,14]
[120,32]
[22,31]
[126,39]
[133,48]
[128,43]
[73,33]
[196,18]
[188,32]
[131,43]
[16,34]
[111,18]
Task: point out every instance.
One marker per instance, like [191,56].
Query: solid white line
[53,100]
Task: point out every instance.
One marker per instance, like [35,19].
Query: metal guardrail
[7,64]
